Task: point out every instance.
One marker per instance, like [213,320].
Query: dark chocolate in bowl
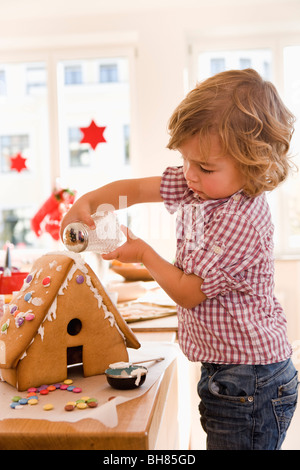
[122,378]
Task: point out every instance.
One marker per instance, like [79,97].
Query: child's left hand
[132,251]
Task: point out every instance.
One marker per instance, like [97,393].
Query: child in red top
[233,132]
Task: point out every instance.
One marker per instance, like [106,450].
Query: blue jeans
[247,407]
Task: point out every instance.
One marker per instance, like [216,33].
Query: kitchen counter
[148,421]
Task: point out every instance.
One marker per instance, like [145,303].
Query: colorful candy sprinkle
[76,390]
[29,316]
[23,401]
[12,309]
[92,404]
[16,398]
[5,327]
[79,279]
[46,281]
[48,407]
[81,406]
[19,321]
[68,381]
[69,407]
[32,401]
[27,296]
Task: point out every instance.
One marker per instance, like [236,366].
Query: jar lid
[76,237]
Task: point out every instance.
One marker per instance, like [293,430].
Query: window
[10,146]
[212,62]
[73,75]
[54,155]
[108,73]
[79,153]
[24,149]
[35,78]
[217,65]
[109,107]
[2,83]
[285,200]
[291,192]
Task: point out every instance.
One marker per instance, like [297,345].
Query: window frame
[51,58]
[198,44]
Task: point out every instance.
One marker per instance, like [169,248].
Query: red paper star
[93,135]
[18,163]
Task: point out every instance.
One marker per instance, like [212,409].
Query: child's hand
[132,251]
[79,212]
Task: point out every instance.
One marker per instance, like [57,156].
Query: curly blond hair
[253,124]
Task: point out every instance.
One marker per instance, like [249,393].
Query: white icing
[138,373]
[51,315]
[39,273]
[52,264]
[119,365]
[41,332]
[37,301]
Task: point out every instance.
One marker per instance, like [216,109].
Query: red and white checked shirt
[228,243]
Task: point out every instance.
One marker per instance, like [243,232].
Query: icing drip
[138,374]
[51,311]
[41,332]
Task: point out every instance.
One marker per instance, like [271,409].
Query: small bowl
[125,378]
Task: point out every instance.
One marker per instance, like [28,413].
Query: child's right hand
[79,212]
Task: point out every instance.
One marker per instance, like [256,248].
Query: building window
[217,65]
[73,75]
[212,62]
[108,73]
[61,161]
[2,83]
[15,227]
[35,78]
[245,63]
[126,133]
[80,156]
[10,146]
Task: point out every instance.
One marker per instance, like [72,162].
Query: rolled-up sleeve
[230,247]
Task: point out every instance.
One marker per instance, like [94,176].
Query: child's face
[215,178]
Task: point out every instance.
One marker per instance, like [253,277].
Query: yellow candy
[68,381]
[48,407]
[81,406]
[33,401]
[85,398]
[73,403]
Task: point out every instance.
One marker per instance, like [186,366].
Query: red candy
[46,281]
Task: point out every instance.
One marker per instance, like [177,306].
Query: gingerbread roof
[36,303]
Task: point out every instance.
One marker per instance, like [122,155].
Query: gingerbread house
[62,315]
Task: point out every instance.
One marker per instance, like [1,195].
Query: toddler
[233,133]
